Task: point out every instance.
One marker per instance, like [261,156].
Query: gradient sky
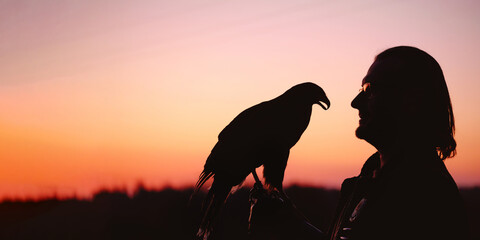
[112,93]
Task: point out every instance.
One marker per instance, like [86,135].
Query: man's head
[404,101]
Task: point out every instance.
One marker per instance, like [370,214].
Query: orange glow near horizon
[113,94]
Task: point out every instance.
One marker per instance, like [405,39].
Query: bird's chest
[290,126]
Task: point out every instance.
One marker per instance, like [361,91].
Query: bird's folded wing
[253,124]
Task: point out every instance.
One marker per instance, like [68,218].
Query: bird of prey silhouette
[260,135]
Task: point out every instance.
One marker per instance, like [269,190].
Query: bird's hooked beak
[324,101]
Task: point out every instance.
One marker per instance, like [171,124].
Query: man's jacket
[413,199]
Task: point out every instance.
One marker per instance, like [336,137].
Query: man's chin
[361,132]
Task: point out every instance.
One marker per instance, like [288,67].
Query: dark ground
[161,214]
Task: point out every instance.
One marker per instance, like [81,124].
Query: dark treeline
[165,214]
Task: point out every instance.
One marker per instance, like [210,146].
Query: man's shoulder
[372,163]
[348,185]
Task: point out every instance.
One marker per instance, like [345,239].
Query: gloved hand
[272,217]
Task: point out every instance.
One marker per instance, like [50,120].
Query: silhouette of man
[404,190]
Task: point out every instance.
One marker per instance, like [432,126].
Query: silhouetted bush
[165,214]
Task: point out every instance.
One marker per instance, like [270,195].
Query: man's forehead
[372,76]
[379,70]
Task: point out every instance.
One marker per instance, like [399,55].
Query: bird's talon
[258,185]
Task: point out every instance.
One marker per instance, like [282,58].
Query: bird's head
[310,93]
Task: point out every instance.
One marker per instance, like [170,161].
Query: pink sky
[111,93]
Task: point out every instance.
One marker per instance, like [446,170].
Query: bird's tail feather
[204,176]
[214,202]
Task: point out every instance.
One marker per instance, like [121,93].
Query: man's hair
[418,71]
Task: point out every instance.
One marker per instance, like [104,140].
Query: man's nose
[357,100]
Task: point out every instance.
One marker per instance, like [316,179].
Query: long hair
[420,72]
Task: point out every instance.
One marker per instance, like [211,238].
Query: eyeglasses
[366,88]
[370,89]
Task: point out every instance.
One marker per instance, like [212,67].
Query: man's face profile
[377,104]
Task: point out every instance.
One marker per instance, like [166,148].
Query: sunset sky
[112,93]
